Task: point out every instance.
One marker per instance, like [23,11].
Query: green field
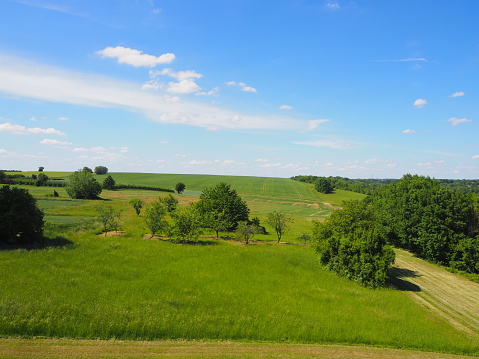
[88,286]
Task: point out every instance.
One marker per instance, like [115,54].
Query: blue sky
[357,89]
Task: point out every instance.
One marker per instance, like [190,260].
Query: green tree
[109,183]
[154,218]
[223,199]
[186,225]
[20,218]
[41,180]
[82,185]
[87,169]
[350,243]
[217,221]
[137,205]
[170,203]
[3,176]
[323,185]
[180,187]
[246,231]
[40,169]
[101,170]
[280,222]
[466,255]
[108,217]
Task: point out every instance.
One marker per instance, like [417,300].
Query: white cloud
[457,94]
[242,86]
[35,81]
[212,92]
[22,130]
[48,141]
[408,131]
[134,57]
[261,160]
[421,59]
[476,156]
[91,149]
[183,87]
[285,107]
[456,121]
[312,124]
[419,103]
[33,118]
[334,144]
[331,4]
[63,119]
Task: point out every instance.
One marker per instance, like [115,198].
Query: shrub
[82,185]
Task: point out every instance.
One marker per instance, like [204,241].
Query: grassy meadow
[90,286]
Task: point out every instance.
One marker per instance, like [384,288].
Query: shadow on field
[396,276]
[44,243]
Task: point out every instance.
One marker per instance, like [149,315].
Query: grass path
[451,296]
[71,349]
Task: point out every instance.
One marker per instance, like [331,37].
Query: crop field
[87,286]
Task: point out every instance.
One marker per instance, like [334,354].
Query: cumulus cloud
[420,103]
[186,81]
[242,86]
[457,94]
[408,131]
[212,92]
[285,107]
[25,79]
[456,121]
[22,130]
[48,141]
[134,57]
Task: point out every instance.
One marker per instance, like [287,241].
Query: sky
[358,89]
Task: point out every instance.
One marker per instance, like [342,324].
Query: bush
[101,170]
[20,218]
[82,185]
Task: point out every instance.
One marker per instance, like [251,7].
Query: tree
[323,185]
[87,169]
[223,199]
[350,243]
[186,225]
[20,218]
[109,183]
[40,169]
[246,231]
[279,221]
[42,179]
[154,218]
[108,217]
[216,221]
[101,170]
[137,204]
[82,185]
[180,187]
[3,176]
[170,203]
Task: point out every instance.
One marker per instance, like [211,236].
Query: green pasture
[132,288]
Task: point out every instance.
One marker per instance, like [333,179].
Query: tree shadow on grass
[396,280]
[43,243]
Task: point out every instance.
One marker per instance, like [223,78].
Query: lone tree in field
[280,222]
[101,170]
[20,218]
[40,169]
[82,185]
[180,187]
[108,217]
[223,199]
[109,183]
[137,205]
[154,218]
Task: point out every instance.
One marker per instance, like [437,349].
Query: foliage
[108,217]
[20,218]
[3,176]
[109,183]
[42,179]
[40,169]
[222,199]
[217,221]
[154,218]
[180,187]
[304,237]
[323,185]
[350,243]
[279,221]
[87,169]
[186,225]
[419,215]
[101,170]
[82,185]
[137,204]
[170,203]
[246,231]
[466,255]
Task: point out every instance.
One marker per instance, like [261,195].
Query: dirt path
[73,349]
[451,296]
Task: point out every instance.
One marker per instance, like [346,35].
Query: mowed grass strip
[72,349]
[126,288]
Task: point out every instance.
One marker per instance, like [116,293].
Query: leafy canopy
[82,185]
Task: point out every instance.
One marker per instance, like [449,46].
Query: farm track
[73,349]
[451,296]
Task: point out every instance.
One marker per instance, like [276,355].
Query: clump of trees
[101,170]
[20,218]
[82,185]
[350,243]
